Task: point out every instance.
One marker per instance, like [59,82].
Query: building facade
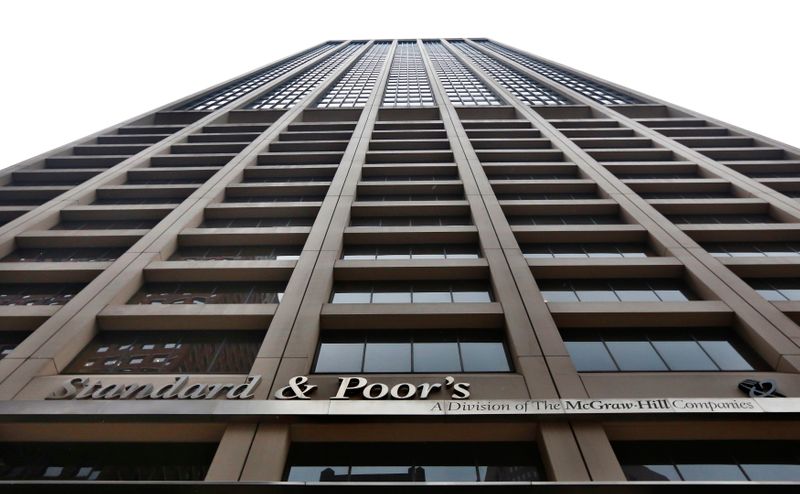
[440,264]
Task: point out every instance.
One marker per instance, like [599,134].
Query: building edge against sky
[406,262]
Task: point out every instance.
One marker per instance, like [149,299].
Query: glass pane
[725,355]
[672,296]
[596,296]
[771,471]
[590,356]
[317,474]
[451,473]
[520,473]
[472,297]
[637,296]
[559,296]
[388,357]
[436,357]
[339,357]
[651,472]
[484,357]
[391,297]
[431,297]
[684,356]
[350,298]
[381,474]
[770,294]
[635,356]
[711,472]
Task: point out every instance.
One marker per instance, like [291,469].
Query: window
[777,289]
[403,292]
[405,252]
[588,87]
[576,219]
[38,294]
[411,197]
[168,352]
[137,200]
[407,178]
[304,178]
[462,87]
[235,253]
[411,352]
[525,89]
[275,198]
[765,249]
[105,461]
[235,90]
[209,293]
[709,460]
[256,222]
[657,350]
[106,225]
[532,176]
[620,290]
[545,196]
[64,255]
[298,87]
[9,341]
[408,84]
[410,221]
[582,251]
[413,462]
[722,219]
[686,195]
[352,90]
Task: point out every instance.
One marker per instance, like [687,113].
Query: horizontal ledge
[442,269]
[51,272]
[186,317]
[184,271]
[404,316]
[640,314]
[645,267]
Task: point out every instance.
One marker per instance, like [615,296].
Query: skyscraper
[395,261]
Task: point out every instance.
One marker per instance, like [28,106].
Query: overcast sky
[71,68]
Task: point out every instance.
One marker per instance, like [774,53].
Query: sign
[83,388]
[350,385]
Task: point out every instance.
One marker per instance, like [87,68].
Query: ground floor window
[709,460]
[414,462]
[105,461]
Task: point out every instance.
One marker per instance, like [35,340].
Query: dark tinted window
[709,460]
[256,222]
[238,253]
[105,461]
[413,462]
[565,220]
[106,225]
[168,352]
[9,341]
[38,294]
[63,255]
[410,221]
[407,252]
[209,293]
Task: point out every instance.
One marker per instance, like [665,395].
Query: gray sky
[72,68]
